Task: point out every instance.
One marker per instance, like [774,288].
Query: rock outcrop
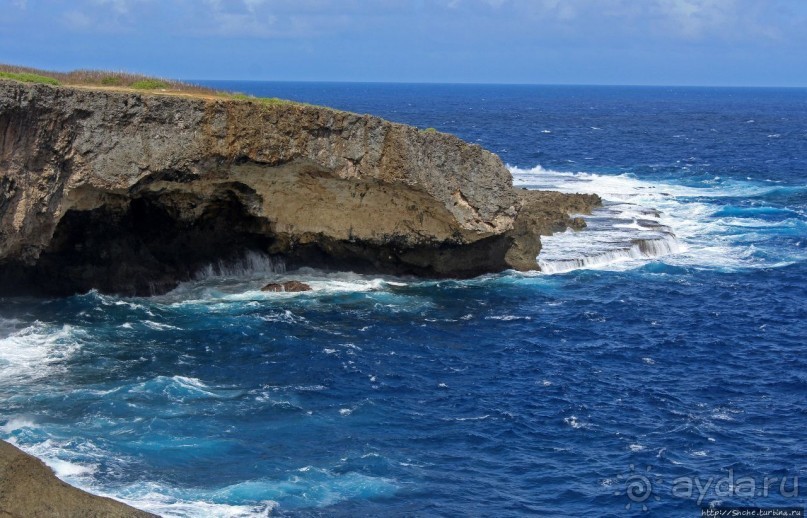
[29,488]
[288,286]
[133,192]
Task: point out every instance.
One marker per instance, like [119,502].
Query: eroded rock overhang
[132,193]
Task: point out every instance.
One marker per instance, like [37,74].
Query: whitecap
[217,292]
[171,502]
[642,221]
[157,326]
[69,461]
[65,469]
[575,423]
[9,326]
[175,388]
[34,352]
[307,487]
[17,423]
[284,316]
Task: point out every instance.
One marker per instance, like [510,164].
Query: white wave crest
[308,487]
[639,250]
[247,288]
[35,351]
[642,221]
[625,187]
[17,423]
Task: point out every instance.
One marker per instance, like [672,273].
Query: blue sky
[668,42]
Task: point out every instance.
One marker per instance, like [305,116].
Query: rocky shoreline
[131,193]
[29,488]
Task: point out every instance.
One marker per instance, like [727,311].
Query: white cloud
[574,20]
[251,5]
[694,18]
[77,21]
[121,7]
[686,19]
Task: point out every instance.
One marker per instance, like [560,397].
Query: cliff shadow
[143,245]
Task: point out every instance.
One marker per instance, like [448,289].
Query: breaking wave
[251,263]
[35,351]
[717,224]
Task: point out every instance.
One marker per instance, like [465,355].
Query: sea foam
[679,224]
[35,351]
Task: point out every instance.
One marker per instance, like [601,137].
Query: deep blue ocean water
[611,385]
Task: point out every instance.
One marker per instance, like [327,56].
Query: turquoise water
[666,345]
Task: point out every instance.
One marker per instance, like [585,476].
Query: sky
[635,42]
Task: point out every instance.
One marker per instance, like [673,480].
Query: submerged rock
[290,286]
[133,192]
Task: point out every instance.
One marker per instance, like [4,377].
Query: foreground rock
[29,488]
[289,286]
[132,192]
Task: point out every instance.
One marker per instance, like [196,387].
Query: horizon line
[482,83]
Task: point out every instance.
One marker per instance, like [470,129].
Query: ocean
[657,364]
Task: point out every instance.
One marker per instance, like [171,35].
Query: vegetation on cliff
[102,78]
[26,77]
[126,81]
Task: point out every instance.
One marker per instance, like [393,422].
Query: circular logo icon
[638,487]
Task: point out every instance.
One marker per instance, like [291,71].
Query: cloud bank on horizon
[729,42]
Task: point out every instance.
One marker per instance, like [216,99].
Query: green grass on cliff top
[28,78]
[125,80]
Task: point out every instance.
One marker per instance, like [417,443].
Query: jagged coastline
[131,192]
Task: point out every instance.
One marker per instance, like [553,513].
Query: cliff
[132,192]
[29,488]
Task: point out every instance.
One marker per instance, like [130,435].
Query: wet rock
[288,286]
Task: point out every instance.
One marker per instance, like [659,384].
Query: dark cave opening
[147,242]
[146,246]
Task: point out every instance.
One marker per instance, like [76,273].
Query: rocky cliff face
[131,193]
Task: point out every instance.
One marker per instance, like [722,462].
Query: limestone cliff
[132,192]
